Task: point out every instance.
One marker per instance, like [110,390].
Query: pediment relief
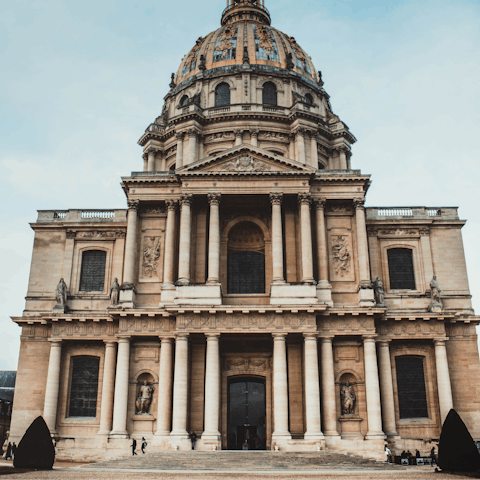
[243,163]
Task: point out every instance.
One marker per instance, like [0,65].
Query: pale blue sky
[82,79]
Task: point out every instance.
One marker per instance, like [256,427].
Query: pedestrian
[14,449]
[144,445]
[417,454]
[433,456]
[134,447]
[8,455]
[388,453]
[245,445]
[193,439]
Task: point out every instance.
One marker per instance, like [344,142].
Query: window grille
[246,273]
[400,267]
[269,94]
[92,278]
[84,387]
[222,95]
[412,396]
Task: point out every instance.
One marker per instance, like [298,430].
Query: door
[246,414]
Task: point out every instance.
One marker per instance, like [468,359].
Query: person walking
[144,445]
[388,453]
[193,439]
[134,447]
[14,449]
[8,454]
[433,456]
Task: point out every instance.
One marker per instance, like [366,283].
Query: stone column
[277,238]
[179,159]
[120,405]
[201,145]
[300,146]
[324,288]
[254,138]
[342,154]
[168,270]
[386,389]
[151,158]
[212,388]
[214,239]
[180,387]
[53,383]
[280,387]
[108,387]
[192,147]
[185,238]
[312,388]
[164,416]
[130,244]
[328,389]
[443,378]
[238,137]
[314,150]
[304,200]
[163,162]
[372,390]
[145,162]
[291,146]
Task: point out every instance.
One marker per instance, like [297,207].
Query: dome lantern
[238,10]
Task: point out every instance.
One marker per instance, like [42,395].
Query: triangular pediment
[245,159]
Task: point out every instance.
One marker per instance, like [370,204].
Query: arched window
[269,94]
[83,387]
[92,278]
[246,259]
[172,167]
[308,99]
[412,396]
[184,101]
[400,268]
[222,95]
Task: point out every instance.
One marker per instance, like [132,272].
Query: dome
[246,37]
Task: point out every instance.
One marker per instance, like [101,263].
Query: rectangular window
[412,396]
[400,268]
[92,278]
[84,387]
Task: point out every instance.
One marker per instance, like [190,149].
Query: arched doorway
[246,414]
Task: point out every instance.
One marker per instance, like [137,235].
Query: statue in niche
[144,398]
[114,293]
[61,294]
[341,256]
[348,399]
[151,253]
[379,292]
[435,304]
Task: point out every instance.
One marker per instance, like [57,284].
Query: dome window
[269,94]
[184,101]
[222,95]
[308,99]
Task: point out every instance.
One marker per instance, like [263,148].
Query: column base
[168,294]
[366,297]
[314,436]
[127,298]
[324,292]
[180,441]
[375,436]
[199,295]
[285,294]
[119,434]
[211,441]
[183,282]
[103,432]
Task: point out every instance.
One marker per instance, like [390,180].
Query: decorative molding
[398,231]
[145,326]
[247,213]
[220,135]
[245,362]
[214,198]
[157,210]
[171,204]
[346,325]
[245,164]
[96,234]
[320,203]
[359,203]
[424,232]
[304,199]
[77,329]
[340,210]
[133,204]
[276,198]
[186,199]
[410,328]
[274,136]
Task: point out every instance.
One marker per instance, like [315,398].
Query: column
[53,383]
[130,244]
[163,162]
[238,137]
[214,239]
[328,389]
[120,405]
[151,159]
[108,387]
[314,150]
[300,146]
[280,386]
[201,146]
[212,387]
[322,249]
[312,388]
[254,138]
[165,377]
[185,237]
[304,200]
[362,245]
[168,270]
[291,147]
[145,162]
[342,153]
[372,390]
[443,378]
[192,147]
[277,238]
[180,386]
[179,159]
[386,389]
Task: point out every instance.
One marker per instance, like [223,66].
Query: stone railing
[113,215]
[379,213]
[168,173]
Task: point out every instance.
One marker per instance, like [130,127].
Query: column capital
[384,341]
[279,336]
[55,341]
[369,338]
[179,135]
[181,336]
[186,199]
[320,203]
[326,338]
[133,204]
[124,339]
[238,133]
[304,199]
[214,198]
[359,203]
[310,336]
[145,156]
[192,133]
[440,342]
[166,339]
[151,149]
[276,198]
[212,336]
[254,133]
[110,343]
[171,204]
[301,131]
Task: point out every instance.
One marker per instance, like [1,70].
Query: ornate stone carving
[215,136]
[372,233]
[340,209]
[398,231]
[379,292]
[179,136]
[214,198]
[224,40]
[254,133]
[348,399]
[114,293]
[341,255]
[265,38]
[133,204]
[238,133]
[144,399]
[435,304]
[304,199]
[298,51]
[274,135]
[410,328]
[193,52]
[153,210]
[76,329]
[171,204]
[145,325]
[246,164]
[151,254]
[246,363]
[186,199]
[358,202]
[424,232]
[71,234]
[61,294]
[276,198]
[320,203]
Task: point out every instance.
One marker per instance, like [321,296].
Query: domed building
[247,294]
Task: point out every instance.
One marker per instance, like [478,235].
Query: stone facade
[246,255]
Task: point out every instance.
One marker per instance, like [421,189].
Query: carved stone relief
[346,325]
[76,329]
[153,211]
[145,325]
[339,210]
[245,362]
[265,38]
[341,256]
[245,164]
[411,328]
[151,255]
[273,135]
[96,234]
[220,135]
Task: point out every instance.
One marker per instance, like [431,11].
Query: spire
[238,10]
